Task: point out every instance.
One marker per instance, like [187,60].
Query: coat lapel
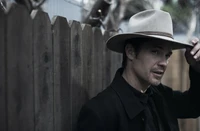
[130,102]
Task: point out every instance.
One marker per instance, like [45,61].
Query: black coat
[117,109]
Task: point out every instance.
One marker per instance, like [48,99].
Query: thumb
[187,52]
[188,49]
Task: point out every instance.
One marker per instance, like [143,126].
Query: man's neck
[133,80]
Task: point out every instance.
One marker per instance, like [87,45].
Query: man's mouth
[158,73]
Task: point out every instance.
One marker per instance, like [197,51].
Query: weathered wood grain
[88,58]
[43,71]
[106,62]
[76,68]
[98,60]
[3,107]
[19,70]
[62,90]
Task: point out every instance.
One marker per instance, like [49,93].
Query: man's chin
[155,83]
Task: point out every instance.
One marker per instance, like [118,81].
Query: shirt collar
[142,97]
[130,97]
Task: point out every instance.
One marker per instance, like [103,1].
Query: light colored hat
[151,23]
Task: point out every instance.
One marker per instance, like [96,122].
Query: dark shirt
[151,117]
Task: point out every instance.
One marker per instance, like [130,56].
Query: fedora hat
[154,24]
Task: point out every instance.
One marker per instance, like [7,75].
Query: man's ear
[130,53]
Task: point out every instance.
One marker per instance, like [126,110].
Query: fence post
[3,112]
[116,60]
[106,62]
[62,90]
[19,70]
[43,69]
[98,60]
[88,58]
[115,63]
[76,80]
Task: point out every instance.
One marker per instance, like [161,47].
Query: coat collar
[133,105]
[130,102]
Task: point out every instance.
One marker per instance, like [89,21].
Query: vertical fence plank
[167,78]
[76,71]
[106,62]
[62,95]
[88,56]
[171,77]
[176,83]
[43,69]
[3,120]
[114,63]
[119,60]
[116,60]
[98,60]
[19,70]
[184,70]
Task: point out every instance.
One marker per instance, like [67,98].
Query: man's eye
[167,56]
[155,52]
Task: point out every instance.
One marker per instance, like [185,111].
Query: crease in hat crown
[156,24]
[151,22]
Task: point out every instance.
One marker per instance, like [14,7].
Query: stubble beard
[155,81]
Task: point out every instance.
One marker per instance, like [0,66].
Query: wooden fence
[50,68]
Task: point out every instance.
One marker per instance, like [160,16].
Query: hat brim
[116,43]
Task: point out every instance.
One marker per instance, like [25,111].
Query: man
[136,100]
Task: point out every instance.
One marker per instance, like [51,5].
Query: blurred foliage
[135,6]
[180,11]
[181,15]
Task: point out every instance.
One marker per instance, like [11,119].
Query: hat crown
[150,24]
[152,20]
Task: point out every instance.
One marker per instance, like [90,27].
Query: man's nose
[163,62]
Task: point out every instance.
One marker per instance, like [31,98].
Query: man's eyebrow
[160,47]
[157,46]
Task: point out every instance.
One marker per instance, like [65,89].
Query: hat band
[156,33]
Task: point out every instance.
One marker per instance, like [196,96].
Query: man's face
[151,62]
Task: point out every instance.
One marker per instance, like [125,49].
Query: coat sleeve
[89,120]
[185,104]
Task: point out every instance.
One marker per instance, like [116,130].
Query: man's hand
[192,54]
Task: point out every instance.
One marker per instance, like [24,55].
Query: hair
[136,44]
